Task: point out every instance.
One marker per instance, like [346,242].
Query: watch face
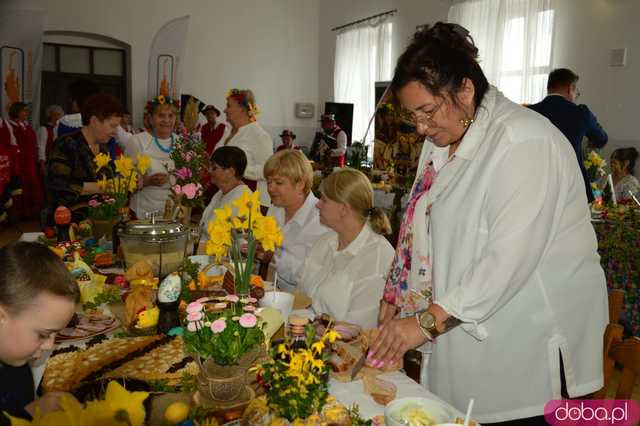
[427,320]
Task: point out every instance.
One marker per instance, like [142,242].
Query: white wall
[334,13]
[270,46]
[585,32]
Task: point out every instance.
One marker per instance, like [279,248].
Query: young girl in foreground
[37,299]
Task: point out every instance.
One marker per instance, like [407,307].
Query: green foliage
[109,294]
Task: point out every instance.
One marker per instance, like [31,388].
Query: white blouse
[300,233]
[348,284]
[515,258]
[150,198]
[258,147]
[218,201]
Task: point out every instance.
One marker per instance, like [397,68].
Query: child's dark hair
[27,269]
[440,57]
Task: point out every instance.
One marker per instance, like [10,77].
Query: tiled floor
[10,233]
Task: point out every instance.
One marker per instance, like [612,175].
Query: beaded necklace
[162,148]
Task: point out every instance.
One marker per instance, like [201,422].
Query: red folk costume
[336,161]
[211,136]
[9,170]
[29,205]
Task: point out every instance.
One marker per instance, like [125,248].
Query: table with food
[202,340]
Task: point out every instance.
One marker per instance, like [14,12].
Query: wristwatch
[427,323]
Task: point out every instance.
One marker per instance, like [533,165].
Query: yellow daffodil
[133,183]
[216,250]
[223,214]
[219,233]
[317,347]
[102,161]
[121,403]
[247,204]
[143,162]
[266,230]
[124,165]
[332,335]
[102,183]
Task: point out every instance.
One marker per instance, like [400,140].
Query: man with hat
[330,145]
[287,137]
[211,132]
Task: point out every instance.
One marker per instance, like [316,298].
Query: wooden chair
[623,352]
[616,303]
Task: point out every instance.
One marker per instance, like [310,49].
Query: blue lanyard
[162,148]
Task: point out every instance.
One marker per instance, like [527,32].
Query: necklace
[162,148]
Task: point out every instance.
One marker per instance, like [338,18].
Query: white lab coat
[258,147]
[515,257]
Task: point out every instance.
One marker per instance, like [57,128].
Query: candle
[613,191]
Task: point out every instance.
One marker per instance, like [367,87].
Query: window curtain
[514,39]
[363,56]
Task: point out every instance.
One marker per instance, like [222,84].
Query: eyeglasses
[426,118]
[215,167]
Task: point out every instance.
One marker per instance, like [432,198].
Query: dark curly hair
[440,57]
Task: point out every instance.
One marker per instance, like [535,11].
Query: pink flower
[187,156]
[248,320]
[93,203]
[218,325]
[190,190]
[177,189]
[220,305]
[194,307]
[253,300]
[249,308]
[183,173]
[233,298]
[195,316]
[193,326]
[203,300]
[110,201]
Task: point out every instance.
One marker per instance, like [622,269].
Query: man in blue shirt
[574,121]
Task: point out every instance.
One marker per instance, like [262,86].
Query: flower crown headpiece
[240,96]
[161,100]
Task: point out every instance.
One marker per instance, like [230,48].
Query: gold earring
[466,122]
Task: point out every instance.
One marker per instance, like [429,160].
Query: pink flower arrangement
[93,203]
[194,307]
[191,190]
[249,308]
[195,316]
[248,320]
[232,298]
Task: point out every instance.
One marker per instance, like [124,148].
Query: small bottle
[123,213]
[296,331]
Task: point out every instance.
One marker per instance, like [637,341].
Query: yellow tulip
[143,162]
[102,161]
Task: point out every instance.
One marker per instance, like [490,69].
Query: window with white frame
[514,39]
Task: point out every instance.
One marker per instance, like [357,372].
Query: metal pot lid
[156,228]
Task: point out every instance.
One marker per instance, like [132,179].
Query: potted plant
[225,338]
[106,208]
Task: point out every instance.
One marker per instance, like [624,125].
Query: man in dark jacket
[574,121]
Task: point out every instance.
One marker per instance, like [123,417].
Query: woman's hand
[47,403]
[396,337]
[387,312]
[156,179]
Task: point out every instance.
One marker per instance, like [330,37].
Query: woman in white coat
[497,257]
[157,143]
[248,135]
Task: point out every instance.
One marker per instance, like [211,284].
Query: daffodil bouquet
[228,232]
[296,378]
[223,329]
[594,164]
[118,407]
[125,181]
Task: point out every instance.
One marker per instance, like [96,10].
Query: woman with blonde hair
[289,179]
[249,136]
[345,271]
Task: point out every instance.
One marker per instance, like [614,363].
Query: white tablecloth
[353,393]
